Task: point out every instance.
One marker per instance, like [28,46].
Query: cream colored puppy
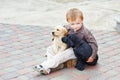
[58,45]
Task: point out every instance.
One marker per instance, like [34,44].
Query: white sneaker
[40,69]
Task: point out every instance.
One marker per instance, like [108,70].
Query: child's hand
[90,59]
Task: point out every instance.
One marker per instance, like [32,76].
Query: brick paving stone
[4,55]
[116,58]
[55,74]
[2,43]
[17,52]
[31,63]
[24,71]
[19,66]
[16,62]
[10,69]
[5,65]
[113,72]
[103,69]
[98,77]
[82,77]
[23,78]
[102,57]
[26,59]
[23,46]
[15,79]
[33,74]
[4,60]
[1,79]
[109,74]
[62,77]
[9,76]
[40,78]
[2,72]
[114,78]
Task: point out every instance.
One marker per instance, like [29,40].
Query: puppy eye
[58,30]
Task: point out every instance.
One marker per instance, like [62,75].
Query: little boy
[75,19]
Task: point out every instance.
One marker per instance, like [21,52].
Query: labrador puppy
[58,33]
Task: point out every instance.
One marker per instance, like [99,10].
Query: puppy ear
[65,31]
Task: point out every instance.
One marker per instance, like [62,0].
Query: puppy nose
[52,33]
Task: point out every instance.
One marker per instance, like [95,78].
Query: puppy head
[59,31]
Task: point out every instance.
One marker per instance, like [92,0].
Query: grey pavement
[23,46]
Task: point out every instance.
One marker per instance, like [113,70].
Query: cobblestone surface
[23,46]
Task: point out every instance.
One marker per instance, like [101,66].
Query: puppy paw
[71,63]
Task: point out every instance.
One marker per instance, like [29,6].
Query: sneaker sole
[35,69]
[43,72]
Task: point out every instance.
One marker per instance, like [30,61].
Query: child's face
[76,25]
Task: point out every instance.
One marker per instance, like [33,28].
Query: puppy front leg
[55,49]
[63,48]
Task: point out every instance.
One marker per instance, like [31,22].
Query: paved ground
[22,47]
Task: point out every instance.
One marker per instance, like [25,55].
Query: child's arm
[92,42]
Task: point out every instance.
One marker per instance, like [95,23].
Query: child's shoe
[40,69]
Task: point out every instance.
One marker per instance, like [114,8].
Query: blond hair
[73,14]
